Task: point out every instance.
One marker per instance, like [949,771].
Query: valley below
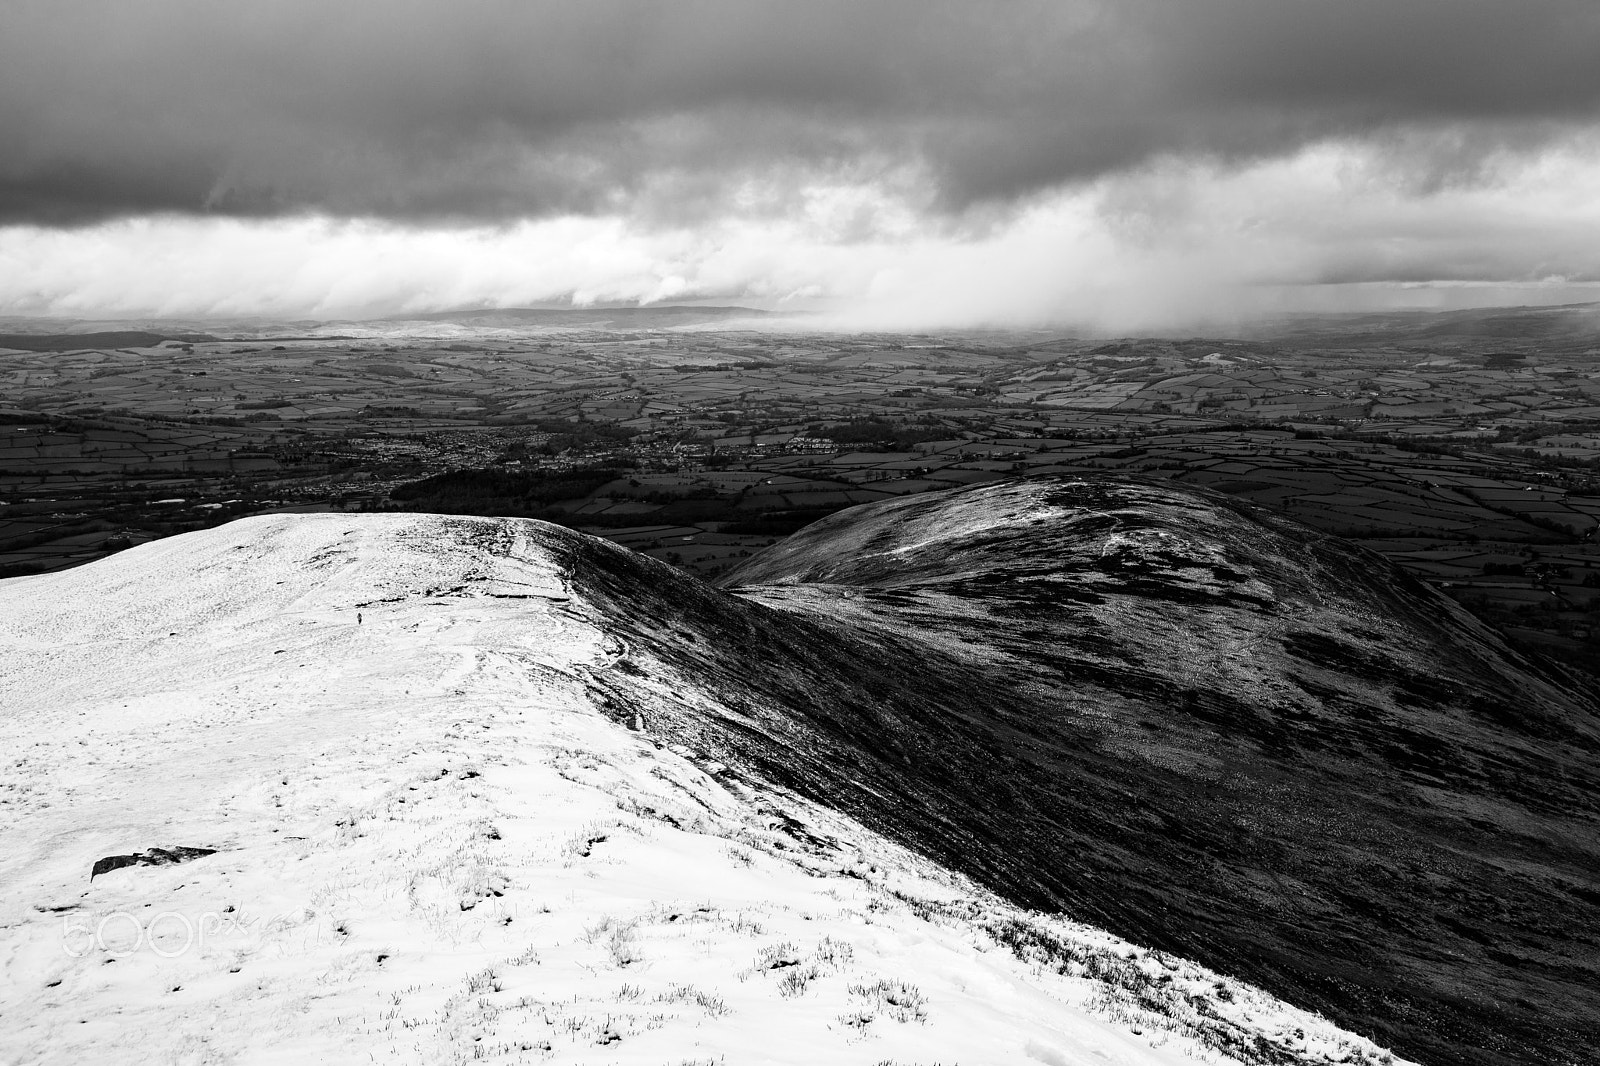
[1461,446]
[676,685]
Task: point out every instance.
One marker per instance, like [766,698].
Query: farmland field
[1474,462]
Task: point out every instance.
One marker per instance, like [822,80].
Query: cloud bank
[1023,160]
[1333,227]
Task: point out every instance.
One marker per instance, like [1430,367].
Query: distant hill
[1557,326]
[71,342]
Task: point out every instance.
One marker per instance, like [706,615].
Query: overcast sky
[904,162]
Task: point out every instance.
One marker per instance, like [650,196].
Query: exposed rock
[153,857]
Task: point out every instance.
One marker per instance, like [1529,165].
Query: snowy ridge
[433,845]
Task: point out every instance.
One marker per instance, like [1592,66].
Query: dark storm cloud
[497,109]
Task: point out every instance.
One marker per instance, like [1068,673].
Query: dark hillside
[1174,715]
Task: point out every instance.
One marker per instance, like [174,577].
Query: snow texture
[431,846]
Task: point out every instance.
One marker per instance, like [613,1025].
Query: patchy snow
[432,846]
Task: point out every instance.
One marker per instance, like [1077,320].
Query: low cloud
[1171,244]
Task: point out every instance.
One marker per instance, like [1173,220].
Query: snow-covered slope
[433,841]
